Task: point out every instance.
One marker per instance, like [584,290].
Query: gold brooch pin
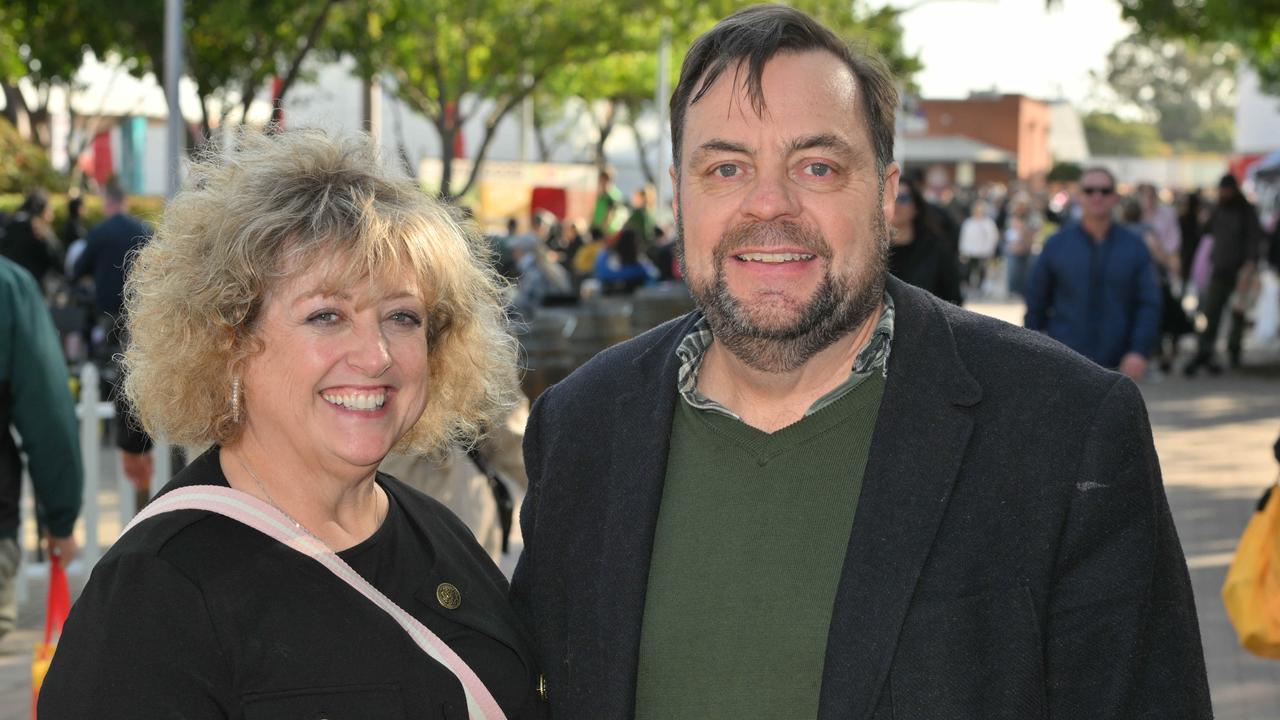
[448,596]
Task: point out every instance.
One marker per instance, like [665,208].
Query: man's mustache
[766,235]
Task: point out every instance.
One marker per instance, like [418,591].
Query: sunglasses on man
[1104,191]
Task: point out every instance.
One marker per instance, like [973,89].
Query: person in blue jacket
[1094,288]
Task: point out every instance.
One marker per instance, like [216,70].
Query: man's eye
[819,169]
[726,170]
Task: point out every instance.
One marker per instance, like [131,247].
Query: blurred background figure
[74,233]
[642,220]
[28,238]
[1094,287]
[1157,223]
[1237,238]
[610,212]
[584,261]
[540,276]
[1022,227]
[918,251]
[34,401]
[620,268]
[979,240]
[1191,219]
[477,485]
[106,258]
[573,238]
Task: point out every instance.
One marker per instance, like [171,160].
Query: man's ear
[889,200]
[675,191]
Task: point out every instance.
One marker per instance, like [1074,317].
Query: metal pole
[661,101]
[89,449]
[174,53]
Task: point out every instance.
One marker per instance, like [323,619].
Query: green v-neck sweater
[750,542]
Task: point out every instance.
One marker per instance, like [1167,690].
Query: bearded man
[826,493]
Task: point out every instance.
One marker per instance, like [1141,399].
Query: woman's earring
[235,400]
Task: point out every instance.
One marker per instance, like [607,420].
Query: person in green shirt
[610,212]
[36,402]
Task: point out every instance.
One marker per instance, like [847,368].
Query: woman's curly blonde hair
[253,213]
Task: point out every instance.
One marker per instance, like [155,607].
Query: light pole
[173,66]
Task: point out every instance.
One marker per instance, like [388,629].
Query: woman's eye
[406,319]
[323,317]
[726,170]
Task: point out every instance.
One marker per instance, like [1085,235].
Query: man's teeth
[356,401]
[774,257]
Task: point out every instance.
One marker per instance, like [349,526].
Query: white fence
[91,411]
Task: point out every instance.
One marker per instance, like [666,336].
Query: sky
[1012,46]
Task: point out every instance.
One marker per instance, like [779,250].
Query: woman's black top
[926,263]
[194,615]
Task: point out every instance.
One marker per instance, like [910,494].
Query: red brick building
[1014,123]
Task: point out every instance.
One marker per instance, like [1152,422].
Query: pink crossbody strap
[270,521]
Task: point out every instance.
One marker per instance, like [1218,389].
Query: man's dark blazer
[1012,553]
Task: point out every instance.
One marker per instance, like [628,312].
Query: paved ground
[1214,437]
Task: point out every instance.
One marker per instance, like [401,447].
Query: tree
[1252,26]
[1064,172]
[622,85]
[233,47]
[453,60]
[1182,87]
[1110,135]
[44,44]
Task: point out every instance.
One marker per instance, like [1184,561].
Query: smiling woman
[304,310]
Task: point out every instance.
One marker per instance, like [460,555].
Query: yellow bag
[1252,589]
[59,606]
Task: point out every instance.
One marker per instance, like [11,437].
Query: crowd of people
[1187,263]
[557,262]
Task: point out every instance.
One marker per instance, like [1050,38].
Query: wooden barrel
[600,322]
[544,344]
[659,303]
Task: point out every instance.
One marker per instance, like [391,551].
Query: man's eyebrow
[826,141]
[717,145]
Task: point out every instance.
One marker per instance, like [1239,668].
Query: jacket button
[448,596]
[542,687]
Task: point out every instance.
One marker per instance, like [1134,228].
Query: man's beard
[766,339]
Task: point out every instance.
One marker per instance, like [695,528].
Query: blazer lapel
[631,479]
[916,451]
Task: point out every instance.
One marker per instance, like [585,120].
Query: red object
[459,141]
[552,199]
[56,610]
[103,163]
[277,108]
[1240,164]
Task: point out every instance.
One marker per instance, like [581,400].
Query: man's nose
[772,195]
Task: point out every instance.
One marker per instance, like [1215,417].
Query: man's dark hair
[752,36]
[35,202]
[114,193]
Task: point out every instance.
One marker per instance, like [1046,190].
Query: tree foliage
[24,165]
[1111,135]
[233,47]
[622,84]
[1251,25]
[1187,89]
